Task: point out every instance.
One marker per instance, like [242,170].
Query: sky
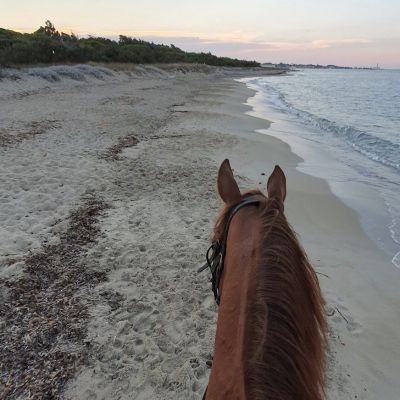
[341,32]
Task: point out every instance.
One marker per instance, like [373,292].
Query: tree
[50,30]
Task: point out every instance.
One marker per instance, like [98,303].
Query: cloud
[239,39]
[252,46]
[237,36]
[239,43]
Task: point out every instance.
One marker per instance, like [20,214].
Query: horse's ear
[227,186]
[276,186]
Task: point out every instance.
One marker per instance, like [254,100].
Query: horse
[270,341]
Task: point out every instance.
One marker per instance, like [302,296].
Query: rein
[216,252]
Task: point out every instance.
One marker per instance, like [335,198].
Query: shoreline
[150,148]
[369,200]
[365,185]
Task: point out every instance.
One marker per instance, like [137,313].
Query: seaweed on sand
[12,136]
[113,152]
[43,314]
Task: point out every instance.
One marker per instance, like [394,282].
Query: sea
[345,125]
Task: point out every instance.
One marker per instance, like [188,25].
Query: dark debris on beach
[113,152]
[12,136]
[43,314]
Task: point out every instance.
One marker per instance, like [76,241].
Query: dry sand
[106,206]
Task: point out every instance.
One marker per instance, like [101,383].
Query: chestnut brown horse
[270,339]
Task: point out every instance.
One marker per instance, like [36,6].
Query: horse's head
[271,323]
[234,201]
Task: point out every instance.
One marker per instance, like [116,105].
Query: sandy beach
[107,203]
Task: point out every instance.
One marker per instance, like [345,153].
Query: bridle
[215,255]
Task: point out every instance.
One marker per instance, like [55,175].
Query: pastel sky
[343,32]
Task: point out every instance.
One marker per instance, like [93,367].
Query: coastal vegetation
[47,45]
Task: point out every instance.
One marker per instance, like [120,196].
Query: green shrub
[47,45]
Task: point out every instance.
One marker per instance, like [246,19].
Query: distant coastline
[314,66]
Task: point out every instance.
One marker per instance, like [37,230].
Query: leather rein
[215,255]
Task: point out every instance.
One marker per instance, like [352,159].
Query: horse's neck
[227,380]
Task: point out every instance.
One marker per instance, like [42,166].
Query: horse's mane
[285,333]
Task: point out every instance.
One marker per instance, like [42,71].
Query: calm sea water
[345,124]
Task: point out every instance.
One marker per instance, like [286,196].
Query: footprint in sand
[128,257]
[341,314]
